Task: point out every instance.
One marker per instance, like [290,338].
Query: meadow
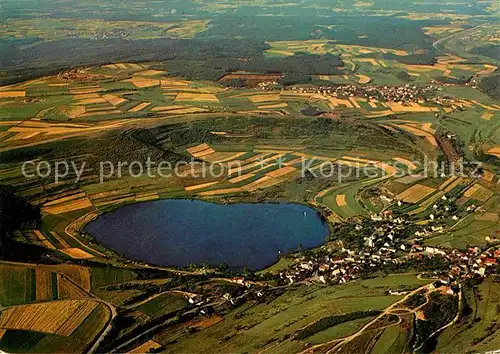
[245,89]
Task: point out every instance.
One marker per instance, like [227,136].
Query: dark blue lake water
[181,232]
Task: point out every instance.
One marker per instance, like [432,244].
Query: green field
[164,304]
[476,332]
[18,285]
[17,341]
[110,275]
[338,331]
[269,322]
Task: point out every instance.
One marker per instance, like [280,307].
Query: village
[389,242]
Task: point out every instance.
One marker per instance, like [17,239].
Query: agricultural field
[383,66]
[163,305]
[476,331]
[48,334]
[63,28]
[48,308]
[283,316]
[362,111]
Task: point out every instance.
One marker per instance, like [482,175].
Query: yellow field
[74,111]
[66,199]
[285,53]
[151,72]
[356,164]
[241,178]
[41,237]
[489,108]
[412,107]
[294,161]
[196,97]
[386,168]
[447,182]
[84,96]
[77,318]
[103,109]
[223,156]
[43,284]
[264,98]
[478,192]
[453,184]
[487,115]
[173,82]
[69,206]
[340,200]
[148,347]
[248,166]
[488,69]
[9,122]
[200,186]
[57,317]
[23,136]
[8,94]
[340,102]
[139,107]
[281,172]
[367,60]
[418,132]
[261,183]
[186,110]
[354,102]
[277,105]
[86,91]
[415,193]
[92,100]
[358,159]
[146,196]
[198,148]
[114,100]
[441,29]
[125,66]
[142,82]
[494,151]
[77,253]
[488,176]
[206,152]
[427,202]
[363,79]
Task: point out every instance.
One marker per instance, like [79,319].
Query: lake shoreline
[125,254]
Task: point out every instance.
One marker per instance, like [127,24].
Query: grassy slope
[260,324]
[459,338]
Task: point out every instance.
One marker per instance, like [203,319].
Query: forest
[220,48]
[205,59]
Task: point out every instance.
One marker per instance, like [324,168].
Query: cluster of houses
[472,263]
[389,244]
[401,93]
